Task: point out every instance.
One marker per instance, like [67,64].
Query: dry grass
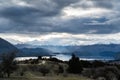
[31,76]
[31,73]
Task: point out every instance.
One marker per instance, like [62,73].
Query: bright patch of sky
[63,39]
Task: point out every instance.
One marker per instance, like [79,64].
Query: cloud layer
[75,17]
[44,16]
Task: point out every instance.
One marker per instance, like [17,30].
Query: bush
[44,70]
[109,72]
[33,67]
[111,76]
[86,64]
[22,70]
[1,72]
[58,69]
[98,64]
[61,69]
[88,72]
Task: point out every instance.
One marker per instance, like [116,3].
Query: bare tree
[8,64]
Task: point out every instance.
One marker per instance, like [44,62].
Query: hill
[34,52]
[6,47]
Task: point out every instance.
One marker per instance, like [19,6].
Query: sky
[60,22]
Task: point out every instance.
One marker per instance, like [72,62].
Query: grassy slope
[36,75]
[31,76]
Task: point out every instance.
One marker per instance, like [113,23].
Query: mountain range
[86,51]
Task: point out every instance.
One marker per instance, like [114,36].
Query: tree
[8,64]
[74,65]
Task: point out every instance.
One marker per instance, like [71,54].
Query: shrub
[98,64]
[86,64]
[44,70]
[22,70]
[58,69]
[88,72]
[109,72]
[61,69]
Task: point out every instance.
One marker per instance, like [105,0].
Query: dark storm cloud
[77,26]
[104,3]
[25,17]
[42,16]
[41,9]
[18,14]
[96,3]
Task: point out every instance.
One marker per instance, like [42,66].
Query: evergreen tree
[74,65]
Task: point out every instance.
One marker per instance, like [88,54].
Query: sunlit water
[88,58]
[25,58]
